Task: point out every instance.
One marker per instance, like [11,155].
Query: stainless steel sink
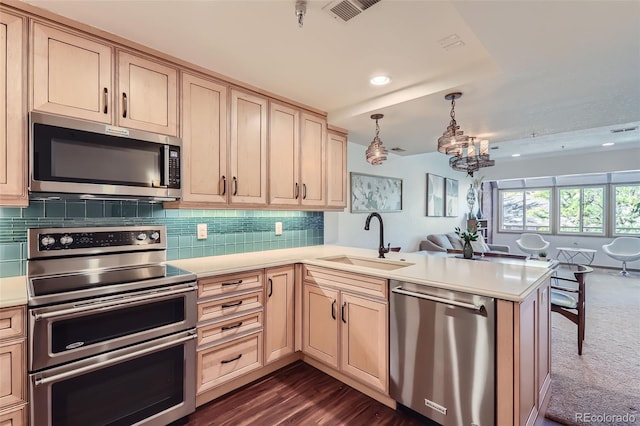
[386,265]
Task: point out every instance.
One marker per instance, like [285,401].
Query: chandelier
[453,140]
[455,143]
[376,153]
[476,158]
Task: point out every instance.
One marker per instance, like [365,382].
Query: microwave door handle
[165,170]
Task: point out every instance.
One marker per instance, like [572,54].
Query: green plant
[542,254]
[468,235]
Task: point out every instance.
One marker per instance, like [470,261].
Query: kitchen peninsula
[317,277]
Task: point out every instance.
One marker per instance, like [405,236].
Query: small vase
[467,250]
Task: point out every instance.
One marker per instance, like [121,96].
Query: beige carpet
[604,382]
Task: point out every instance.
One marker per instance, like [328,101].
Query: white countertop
[509,280]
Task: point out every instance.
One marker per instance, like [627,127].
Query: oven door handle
[98,365]
[111,304]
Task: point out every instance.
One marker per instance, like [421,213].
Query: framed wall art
[435,195]
[371,193]
[451,202]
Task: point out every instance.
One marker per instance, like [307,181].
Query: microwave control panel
[174,168]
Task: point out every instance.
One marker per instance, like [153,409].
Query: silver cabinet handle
[235,185]
[106,100]
[224,185]
[116,360]
[112,304]
[400,290]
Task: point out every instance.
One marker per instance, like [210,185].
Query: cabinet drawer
[14,416]
[211,333]
[224,284]
[215,309]
[12,378]
[12,323]
[363,284]
[219,364]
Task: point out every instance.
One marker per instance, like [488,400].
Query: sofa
[442,242]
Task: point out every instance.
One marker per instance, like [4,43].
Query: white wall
[407,228]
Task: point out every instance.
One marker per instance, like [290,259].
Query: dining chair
[569,300]
[532,244]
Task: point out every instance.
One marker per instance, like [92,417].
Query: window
[581,210]
[526,210]
[626,202]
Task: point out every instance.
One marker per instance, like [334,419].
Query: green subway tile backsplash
[228,231]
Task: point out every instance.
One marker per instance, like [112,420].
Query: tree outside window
[582,210]
[627,209]
[526,210]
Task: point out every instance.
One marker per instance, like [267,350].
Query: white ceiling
[567,71]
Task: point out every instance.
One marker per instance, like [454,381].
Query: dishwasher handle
[400,290]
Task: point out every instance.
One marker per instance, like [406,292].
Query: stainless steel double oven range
[111,328]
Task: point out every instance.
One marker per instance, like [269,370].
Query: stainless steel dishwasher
[442,354]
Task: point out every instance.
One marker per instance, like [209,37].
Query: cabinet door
[248,148]
[320,317]
[526,340]
[72,75]
[13,118]
[147,95]
[364,340]
[544,342]
[204,140]
[284,144]
[336,170]
[312,160]
[278,329]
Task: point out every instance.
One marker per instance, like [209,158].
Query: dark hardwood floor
[299,394]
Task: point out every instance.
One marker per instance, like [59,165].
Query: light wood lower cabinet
[345,329]
[13,110]
[523,358]
[13,363]
[279,313]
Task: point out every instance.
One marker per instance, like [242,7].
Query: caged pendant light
[376,153]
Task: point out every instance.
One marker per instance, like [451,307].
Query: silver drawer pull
[231,327]
[231,305]
[227,361]
[232,283]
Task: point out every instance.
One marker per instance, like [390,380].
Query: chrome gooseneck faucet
[381,249]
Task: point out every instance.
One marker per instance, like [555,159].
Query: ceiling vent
[628,129]
[345,10]
[398,149]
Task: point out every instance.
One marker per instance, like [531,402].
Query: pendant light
[376,153]
[453,140]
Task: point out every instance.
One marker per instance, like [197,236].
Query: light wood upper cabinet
[72,74]
[204,140]
[13,110]
[312,159]
[336,170]
[279,313]
[147,94]
[248,148]
[284,155]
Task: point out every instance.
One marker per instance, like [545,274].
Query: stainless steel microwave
[80,159]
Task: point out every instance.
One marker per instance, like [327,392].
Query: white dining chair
[624,249]
[532,244]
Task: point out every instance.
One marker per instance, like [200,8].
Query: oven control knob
[65,240]
[47,241]
[154,236]
[142,236]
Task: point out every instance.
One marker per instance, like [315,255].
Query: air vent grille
[398,149]
[345,10]
[628,129]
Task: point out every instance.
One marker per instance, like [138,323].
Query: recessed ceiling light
[608,144]
[380,80]
[515,155]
